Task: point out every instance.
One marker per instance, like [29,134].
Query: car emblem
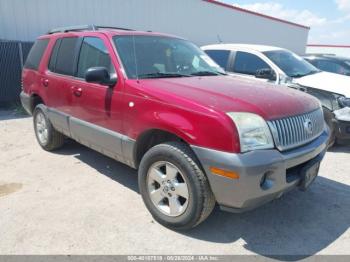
[308,126]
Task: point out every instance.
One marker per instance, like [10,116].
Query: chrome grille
[297,130]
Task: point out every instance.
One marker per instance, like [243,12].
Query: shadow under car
[298,225]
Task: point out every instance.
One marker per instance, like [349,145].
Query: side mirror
[100,75]
[266,73]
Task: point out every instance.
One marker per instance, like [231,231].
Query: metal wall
[12,55]
[335,50]
[199,21]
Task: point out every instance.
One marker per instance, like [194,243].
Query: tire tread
[208,196]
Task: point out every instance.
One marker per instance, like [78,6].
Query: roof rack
[113,27]
[85,28]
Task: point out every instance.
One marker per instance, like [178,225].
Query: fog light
[266,181]
[263,180]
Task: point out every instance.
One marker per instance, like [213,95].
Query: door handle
[77,91]
[45,82]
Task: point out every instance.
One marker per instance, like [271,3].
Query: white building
[201,21]
[340,50]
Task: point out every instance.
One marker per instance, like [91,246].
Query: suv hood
[231,94]
[330,82]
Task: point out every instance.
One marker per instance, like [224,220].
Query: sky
[329,19]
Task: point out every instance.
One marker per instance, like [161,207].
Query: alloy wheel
[167,188]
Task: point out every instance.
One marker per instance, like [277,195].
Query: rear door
[221,57]
[58,79]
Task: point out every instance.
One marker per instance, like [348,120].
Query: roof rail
[113,27]
[72,28]
[85,28]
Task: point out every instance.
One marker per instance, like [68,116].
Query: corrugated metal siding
[26,46]
[12,53]
[196,20]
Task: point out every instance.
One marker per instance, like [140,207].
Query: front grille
[297,130]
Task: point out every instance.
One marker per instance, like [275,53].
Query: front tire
[47,136]
[173,186]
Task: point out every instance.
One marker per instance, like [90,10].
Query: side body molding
[103,140]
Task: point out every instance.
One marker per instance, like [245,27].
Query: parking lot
[77,201]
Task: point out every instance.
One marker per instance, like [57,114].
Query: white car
[283,67]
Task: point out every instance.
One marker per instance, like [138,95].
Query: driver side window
[185,60]
[93,53]
[248,64]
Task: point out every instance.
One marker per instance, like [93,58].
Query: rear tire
[47,136]
[173,186]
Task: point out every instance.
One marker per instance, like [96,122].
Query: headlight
[344,101]
[253,130]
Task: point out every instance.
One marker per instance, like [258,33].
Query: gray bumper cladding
[264,174]
[26,102]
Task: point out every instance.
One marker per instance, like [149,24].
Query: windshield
[291,64]
[347,62]
[157,57]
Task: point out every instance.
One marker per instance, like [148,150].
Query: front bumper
[342,131]
[341,124]
[247,192]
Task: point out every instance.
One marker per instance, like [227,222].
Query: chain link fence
[12,57]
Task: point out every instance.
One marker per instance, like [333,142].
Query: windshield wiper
[162,75]
[313,72]
[207,73]
[309,73]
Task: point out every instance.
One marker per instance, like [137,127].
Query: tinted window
[93,53]
[246,63]
[53,57]
[219,56]
[330,67]
[36,53]
[311,61]
[65,62]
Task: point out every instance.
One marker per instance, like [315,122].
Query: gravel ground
[76,201]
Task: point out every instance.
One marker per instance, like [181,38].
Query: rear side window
[93,53]
[66,56]
[36,53]
[53,57]
[219,56]
[246,63]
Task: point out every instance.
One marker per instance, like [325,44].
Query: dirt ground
[77,201]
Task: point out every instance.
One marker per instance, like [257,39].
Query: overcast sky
[329,19]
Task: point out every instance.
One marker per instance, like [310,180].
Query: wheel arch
[35,99]
[153,137]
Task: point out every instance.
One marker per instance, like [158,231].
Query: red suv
[159,104]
